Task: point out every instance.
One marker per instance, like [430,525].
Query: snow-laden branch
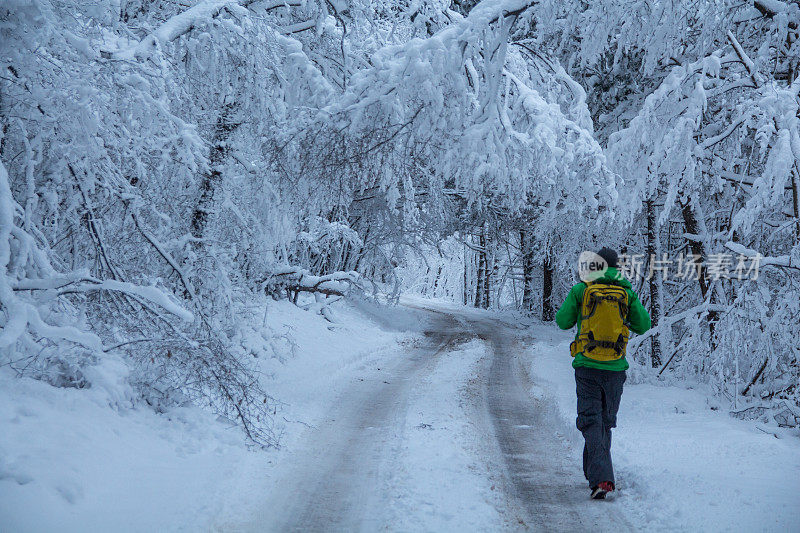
[771,8]
[296,279]
[162,251]
[665,323]
[175,27]
[782,261]
[193,17]
[711,141]
[758,80]
[15,311]
[23,314]
[393,63]
[461,98]
[82,282]
[298,27]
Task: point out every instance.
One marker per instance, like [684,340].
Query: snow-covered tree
[166,167]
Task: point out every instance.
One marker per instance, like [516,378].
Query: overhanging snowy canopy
[458,112]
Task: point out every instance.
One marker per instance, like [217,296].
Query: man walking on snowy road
[605,309]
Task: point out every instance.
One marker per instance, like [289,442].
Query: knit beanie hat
[609,255]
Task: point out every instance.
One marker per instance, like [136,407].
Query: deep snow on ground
[87,460]
[68,462]
[679,464]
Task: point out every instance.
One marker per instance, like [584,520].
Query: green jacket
[570,314]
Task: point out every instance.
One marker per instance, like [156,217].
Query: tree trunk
[467,264]
[693,228]
[489,265]
[527,271]
[796,201]
[481,280]
[653,249]
[436,281]
[211,179]
[547,289]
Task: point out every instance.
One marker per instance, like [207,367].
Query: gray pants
[599,393]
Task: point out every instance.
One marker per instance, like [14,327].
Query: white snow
[68,462]
[166,167]
[445,482]
[79,460]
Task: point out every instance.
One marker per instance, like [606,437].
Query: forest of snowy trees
[166,163]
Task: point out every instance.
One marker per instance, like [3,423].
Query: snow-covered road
[542,477]
[339,477]
[427,442]
[438,418]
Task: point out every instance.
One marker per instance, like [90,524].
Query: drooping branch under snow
[782,261]
[296,280]
[185,21]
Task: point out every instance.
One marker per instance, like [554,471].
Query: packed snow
[681,462]
[93,460]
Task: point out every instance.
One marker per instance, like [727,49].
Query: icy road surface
[444,436]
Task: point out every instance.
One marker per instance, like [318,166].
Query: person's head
[609,255]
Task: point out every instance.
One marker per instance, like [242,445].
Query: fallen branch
[83,283]
[746,61]
[166,256]
[295,280]
[755,378]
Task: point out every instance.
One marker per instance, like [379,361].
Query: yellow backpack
[604,323]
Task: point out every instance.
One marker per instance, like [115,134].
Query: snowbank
[93,460]
[71,462]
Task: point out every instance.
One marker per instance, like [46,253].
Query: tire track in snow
[338,485]
[343,476]
[541,477]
